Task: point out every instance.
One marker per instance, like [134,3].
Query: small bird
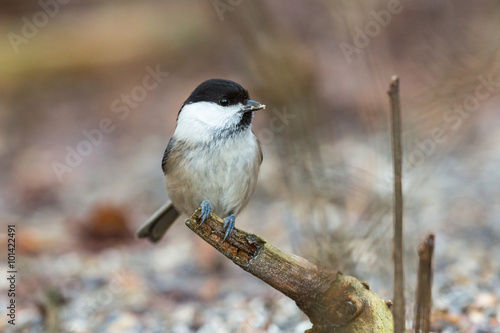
[212,160]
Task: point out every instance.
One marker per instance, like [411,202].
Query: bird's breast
[223,173]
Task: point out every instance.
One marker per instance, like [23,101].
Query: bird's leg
[205,211]
[229,225]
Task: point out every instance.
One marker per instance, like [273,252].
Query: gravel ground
[83,278]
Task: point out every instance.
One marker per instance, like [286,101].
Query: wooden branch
[399,297]
[333,302]
[422,322]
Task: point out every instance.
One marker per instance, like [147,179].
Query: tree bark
[333,302]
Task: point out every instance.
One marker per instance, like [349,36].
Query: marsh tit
[212,161]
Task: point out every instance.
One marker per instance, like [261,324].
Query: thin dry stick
[424,286]
[397,155]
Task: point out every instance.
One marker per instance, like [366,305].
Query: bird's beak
[252,106]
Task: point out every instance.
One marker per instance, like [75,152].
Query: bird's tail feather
[157,225]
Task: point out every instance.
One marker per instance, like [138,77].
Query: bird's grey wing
[157,225]
[260,155]
[169,148]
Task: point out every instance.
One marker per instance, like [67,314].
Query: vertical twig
[424,287]
[397,154]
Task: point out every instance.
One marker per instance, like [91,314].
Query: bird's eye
[224,102]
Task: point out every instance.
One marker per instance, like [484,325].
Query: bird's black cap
[214,90]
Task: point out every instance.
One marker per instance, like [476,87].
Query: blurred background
[89,94]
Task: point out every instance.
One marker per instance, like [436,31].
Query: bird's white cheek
[198,121]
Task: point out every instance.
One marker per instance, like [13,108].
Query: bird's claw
[229,225]
[205,211]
